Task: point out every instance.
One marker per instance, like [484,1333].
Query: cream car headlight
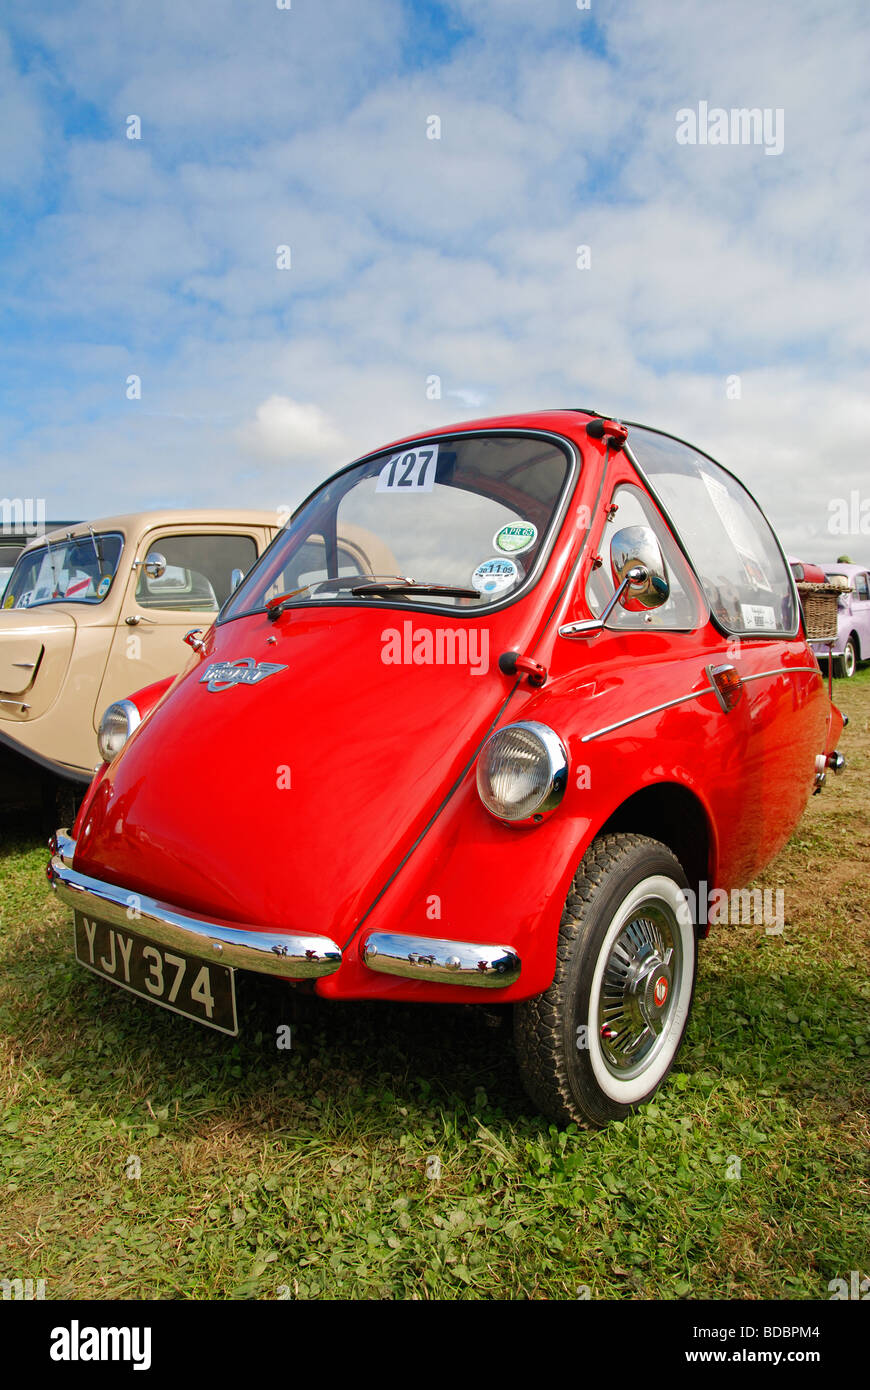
[522,772]
[116,726]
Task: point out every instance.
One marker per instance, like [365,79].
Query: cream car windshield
[79,570]
[457,521]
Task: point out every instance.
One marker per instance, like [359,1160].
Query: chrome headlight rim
[557,781]
[133,719]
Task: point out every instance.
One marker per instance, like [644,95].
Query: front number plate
[185,984]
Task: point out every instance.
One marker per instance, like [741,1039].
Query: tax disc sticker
[495,576]
[516,537]
[104,585]
[759,615]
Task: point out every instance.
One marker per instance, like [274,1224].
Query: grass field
[313,1171]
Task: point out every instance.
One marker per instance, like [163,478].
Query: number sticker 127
[413,470]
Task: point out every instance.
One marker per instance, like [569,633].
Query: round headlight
[116,726]
[522,772]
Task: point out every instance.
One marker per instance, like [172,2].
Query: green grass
[302,1173]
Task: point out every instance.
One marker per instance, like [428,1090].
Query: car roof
[130,523]
[848,570]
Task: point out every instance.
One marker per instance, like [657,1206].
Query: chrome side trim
[783,671]
[653,709]
[438,961]
[292,955]
[695,694]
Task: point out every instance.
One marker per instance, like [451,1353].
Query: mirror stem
[588,627]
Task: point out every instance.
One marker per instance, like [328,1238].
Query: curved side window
[732,547]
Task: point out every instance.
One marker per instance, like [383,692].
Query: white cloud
[414,257]
[291,431]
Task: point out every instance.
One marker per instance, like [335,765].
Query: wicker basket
[819,603]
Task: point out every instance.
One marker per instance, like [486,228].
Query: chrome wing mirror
[235,580]
[640,579]
[155,565]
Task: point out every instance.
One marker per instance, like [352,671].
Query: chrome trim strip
[654,709]
[19,704]
[783,671]
[706,690]
[438,961]
[292,955]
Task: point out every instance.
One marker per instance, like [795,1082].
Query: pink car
[853,621]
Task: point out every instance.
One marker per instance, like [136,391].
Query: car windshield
[471,514]
[65,571]
[8,555]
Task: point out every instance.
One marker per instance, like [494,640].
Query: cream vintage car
[96,610]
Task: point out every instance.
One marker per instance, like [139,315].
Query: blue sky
[412,257]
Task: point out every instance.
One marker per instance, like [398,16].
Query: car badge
[221,675]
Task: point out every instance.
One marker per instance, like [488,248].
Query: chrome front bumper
[291,955]
[441,961]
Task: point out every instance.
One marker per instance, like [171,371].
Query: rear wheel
[847,664]
[600,1041]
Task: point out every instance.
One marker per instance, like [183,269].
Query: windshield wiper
[54,575]
[408,586]
[370,588]
[274,605]
[98,550]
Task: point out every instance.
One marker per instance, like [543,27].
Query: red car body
[338,798]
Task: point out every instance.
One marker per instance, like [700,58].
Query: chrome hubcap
[849,660]
[639,989]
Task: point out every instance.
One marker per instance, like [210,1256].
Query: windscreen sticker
[515,538]
[495,576]
[79,586]
[411,470]
[758,615]
[104,585]
[10,601]
[24,600]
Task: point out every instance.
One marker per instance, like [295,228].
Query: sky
[724,295]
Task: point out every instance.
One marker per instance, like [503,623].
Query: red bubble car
[489,720]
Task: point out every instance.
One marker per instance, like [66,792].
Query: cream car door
[162,603]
